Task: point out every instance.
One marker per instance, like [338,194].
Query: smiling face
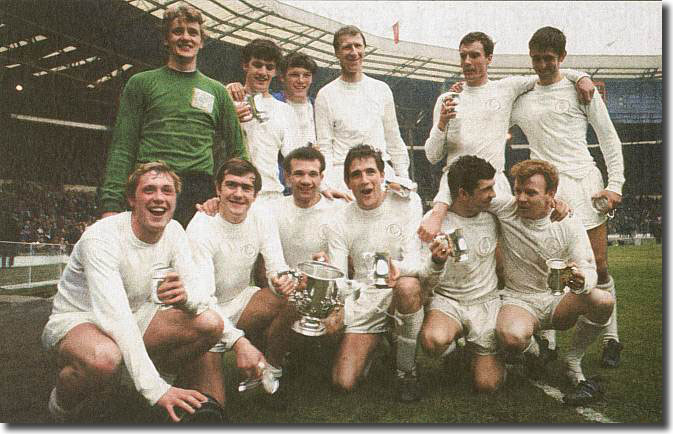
[305,179]
[474,63]
[258,75]
[547,65]
[364,180]
[531,199]
[236,193]
[351,53]
[296,82]
[152,205]
[184,40]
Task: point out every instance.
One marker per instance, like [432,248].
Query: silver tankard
[318,299]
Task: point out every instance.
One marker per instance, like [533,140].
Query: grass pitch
[634,391]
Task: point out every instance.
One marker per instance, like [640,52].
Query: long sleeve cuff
[615,186]
[155,393]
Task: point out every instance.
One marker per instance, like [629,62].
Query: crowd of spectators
[45,214]
[35,212]
[637,215]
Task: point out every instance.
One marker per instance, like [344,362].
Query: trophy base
[309,326]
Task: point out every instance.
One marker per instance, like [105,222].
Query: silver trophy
[158,275]
[455,97]
[558,275]
[256,104]
[318,299]
[456,240]
[267,379]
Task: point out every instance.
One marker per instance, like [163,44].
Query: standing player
[556,127]
[226,246]
[477,125]
[104,318]
[356,109]
[278,133]
[377,221]
[528,239]
[175,114]
[465,300]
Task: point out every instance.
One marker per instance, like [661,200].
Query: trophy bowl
[318,299]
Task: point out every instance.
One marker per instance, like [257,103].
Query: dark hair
[346,30]
[525,169]
[264,49]
[187,13]
[237,167]
[466,171]
[297,60]
[485,40]
[548,38]
[143,168]
[305,153]
[362,151]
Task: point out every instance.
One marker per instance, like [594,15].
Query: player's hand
[446,113]
[284,284]
[188,400]
[441,250]
[320,257]
[171,291]
[236,91]
[585,90]
[457,86]
[576,282]
[614,199]
[430,225]
[393,274]
[243,111]
[210,207]
[334,322]
[108,214]
[248,357]
[560,210]
[331,193]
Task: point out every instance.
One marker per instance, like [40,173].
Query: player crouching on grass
[105,325]
[529,238]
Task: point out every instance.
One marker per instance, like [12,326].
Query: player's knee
[344,383]
[602,303]
[209,325]
[513,339]
[486,384]
[434,342]
[104,362]
[408,292]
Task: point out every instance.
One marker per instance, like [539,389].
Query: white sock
[407,338]
[610,331]
[585,334]
[550,336]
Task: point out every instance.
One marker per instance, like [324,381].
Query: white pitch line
[588,413]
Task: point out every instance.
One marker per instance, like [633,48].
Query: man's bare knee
[344,383]
[434,342]
[209,325]
[102,363]
[408,294]
[486,384]
[513,338]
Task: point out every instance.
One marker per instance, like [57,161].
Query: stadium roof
[241,21]
[92,42]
